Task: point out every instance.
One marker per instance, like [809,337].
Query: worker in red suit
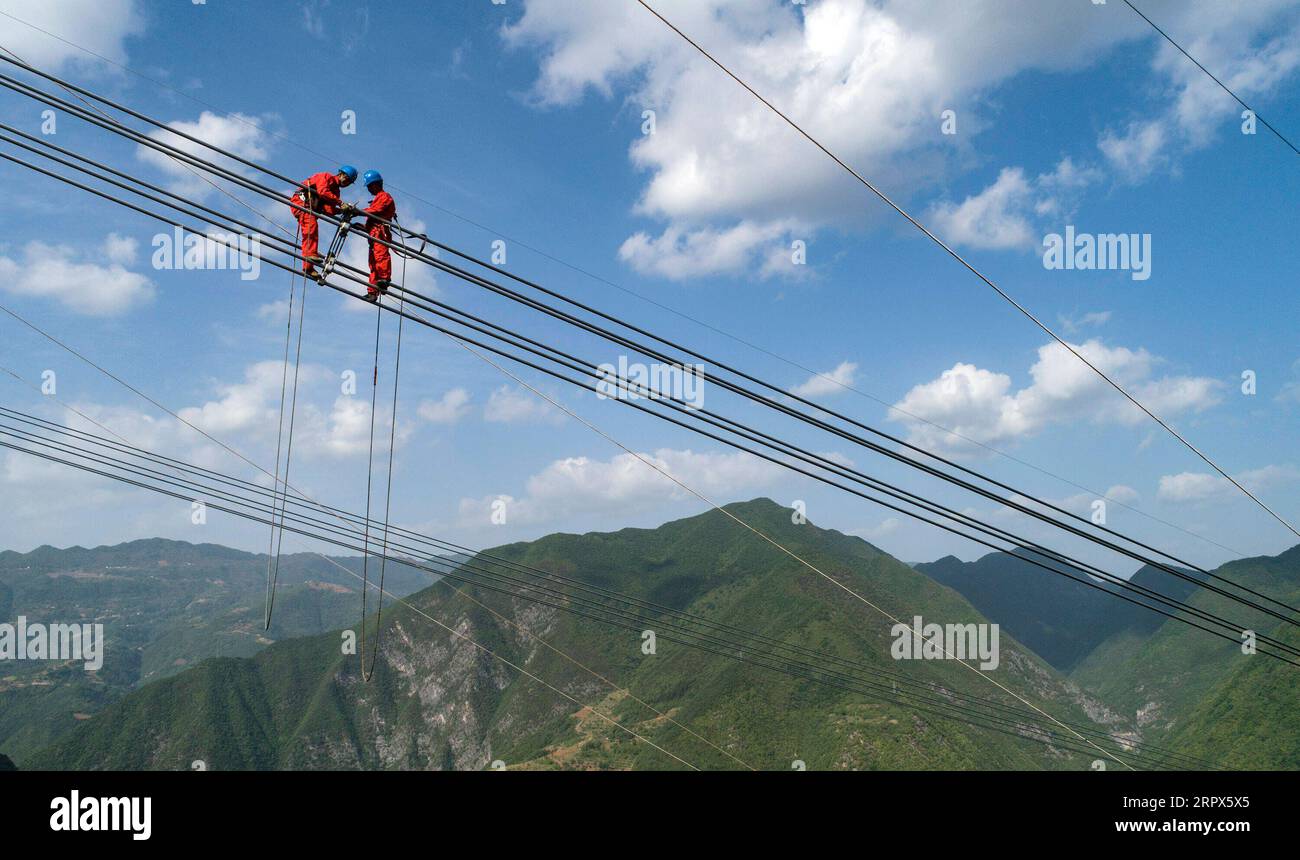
[319,195]
[381,261]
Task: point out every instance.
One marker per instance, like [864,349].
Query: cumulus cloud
[448,409]
[1009,213]
[1071,324]
[78,279]
[982,406]
[625,484]
[514,405]
[823,384]
[1290,390]
[870,78]
[327,424]
[1137,151]
[679,253]
[1203,486]
[245,136]
[100,26]
[1246,46]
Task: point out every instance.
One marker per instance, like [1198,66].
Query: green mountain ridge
[165,605]
[1172,681]
[1061,619]
[438,700]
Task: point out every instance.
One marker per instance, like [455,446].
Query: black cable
[423,542]
[803,455]
[834,676]
[766,401]
[1212,77]
[462,337]
[973,270]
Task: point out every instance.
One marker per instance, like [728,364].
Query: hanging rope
[279,435]
[277,531]
[370,474]
[388,493]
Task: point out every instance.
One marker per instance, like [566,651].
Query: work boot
[315,259]
[372,296]
[383,285]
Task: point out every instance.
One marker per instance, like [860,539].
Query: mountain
[1182,684]
[165,605]
[1247,721]
[1062,620]
[440,700]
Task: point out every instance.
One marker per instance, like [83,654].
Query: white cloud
[981,405]
[1071,325]
[76,279]
[993,218]
[823,384]
[101,26]
[448,409]
[625,484]
[1138,151]
[1244,45]
[1008,214]
[274,312]
[237,133]
[247,404]
[509,405]
[870,78]
[679,253]
[884,529]
[1203,486]
[323,428]
[1290,390]
[1123,494]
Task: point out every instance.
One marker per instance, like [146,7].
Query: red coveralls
[381,261]
[323,191]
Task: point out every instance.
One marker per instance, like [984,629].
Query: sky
[614,164]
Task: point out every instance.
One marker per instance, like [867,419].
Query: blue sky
[526,117]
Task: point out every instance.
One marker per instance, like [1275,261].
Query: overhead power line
[973,270]
[1040,552]
[1212,77]
[484,570]
[803,455]
[456,336]
[892,407]
[514,296]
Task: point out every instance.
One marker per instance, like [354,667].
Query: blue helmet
[371,176]
[349,171]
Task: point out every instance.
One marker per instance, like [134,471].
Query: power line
[973,270]
[586,273]
[625,342]
[633,621]
[1212,77]
[178,225]
[887,488]
[170,463]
